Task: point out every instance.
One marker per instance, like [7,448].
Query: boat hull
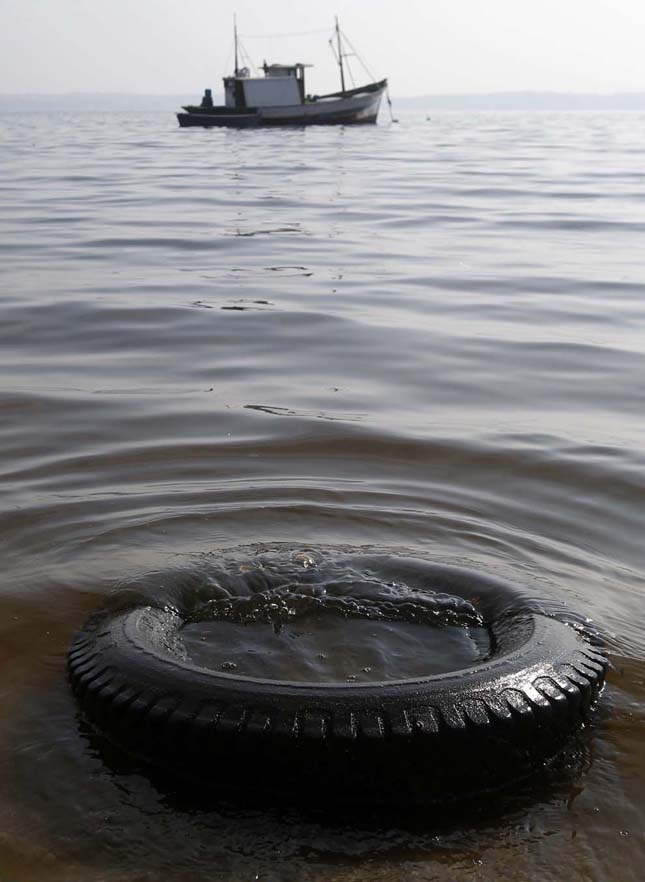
[352,110]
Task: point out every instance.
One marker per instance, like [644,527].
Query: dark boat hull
[207,121]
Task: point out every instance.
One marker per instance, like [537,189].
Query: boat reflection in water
[279,98]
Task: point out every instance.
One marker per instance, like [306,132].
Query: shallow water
[425,338]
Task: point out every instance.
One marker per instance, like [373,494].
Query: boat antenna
[235,41]
[340,58]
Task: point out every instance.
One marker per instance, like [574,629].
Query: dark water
[426,338]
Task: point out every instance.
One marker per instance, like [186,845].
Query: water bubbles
[305,559]
[360,599]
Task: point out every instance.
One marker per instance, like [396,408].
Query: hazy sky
[423,46]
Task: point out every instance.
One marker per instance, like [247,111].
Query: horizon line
[564,92]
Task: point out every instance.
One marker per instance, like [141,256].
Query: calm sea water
[427,337]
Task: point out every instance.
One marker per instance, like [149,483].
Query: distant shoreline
[492,101]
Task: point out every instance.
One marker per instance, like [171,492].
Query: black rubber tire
[399,741]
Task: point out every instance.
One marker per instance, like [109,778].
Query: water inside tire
[331,649]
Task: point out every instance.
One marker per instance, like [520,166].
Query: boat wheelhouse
[279,98]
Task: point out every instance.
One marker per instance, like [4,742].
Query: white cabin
[283,85]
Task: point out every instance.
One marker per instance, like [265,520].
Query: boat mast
[235,41]
[340,58]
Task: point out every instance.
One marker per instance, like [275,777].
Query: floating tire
[423,739]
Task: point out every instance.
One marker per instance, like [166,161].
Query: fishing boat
[279,97]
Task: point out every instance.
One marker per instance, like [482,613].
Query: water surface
[426,338]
